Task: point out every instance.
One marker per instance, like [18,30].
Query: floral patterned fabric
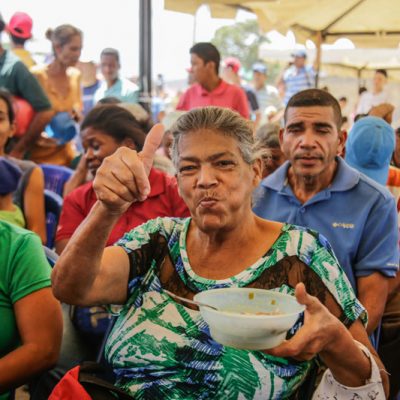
[161,349]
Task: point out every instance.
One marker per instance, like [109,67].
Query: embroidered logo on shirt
[342,225]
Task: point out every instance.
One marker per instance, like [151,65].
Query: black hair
[110,51]
[381,71]
[116,122]
[17,40]
[5,95]
[316,97]
[2,23]
[109,100]
[207,52]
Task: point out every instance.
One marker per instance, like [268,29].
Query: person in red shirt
[210,89]
[105,129]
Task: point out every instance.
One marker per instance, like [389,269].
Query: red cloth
[224,95]
[69,388]
[163,201]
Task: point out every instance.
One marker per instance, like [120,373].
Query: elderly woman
[162,349]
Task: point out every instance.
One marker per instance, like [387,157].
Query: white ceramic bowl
[236,323]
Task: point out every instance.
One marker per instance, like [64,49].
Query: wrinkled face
[272,160]
[98,145]
[214,180]
[201,70]
[259,79]
[311,140]
[109,67]
[6,128]
[379,81]
[69,53]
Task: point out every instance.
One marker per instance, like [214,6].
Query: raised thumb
[151,144]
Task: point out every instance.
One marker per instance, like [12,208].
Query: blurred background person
[28,195]
[20,30]
[378,95]
[230,72]
[267,141]
[113,85]
[61,82]
[33,107]
[267,95]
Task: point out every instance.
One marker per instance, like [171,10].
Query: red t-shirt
[224,95]
[163,201]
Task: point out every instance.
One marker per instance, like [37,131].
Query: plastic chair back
[55,177]
[53,206]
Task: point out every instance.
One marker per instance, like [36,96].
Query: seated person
[160,348]
[31,321]
[105,129]
[29,193]
[9,178]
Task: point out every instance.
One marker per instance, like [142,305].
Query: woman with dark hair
[61,83]
[105,129]
[29,194]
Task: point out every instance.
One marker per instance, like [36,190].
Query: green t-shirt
[16,78]
[15,217]
[23,270]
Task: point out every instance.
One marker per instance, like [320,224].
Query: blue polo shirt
[357,216]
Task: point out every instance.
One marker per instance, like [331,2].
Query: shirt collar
[217,91]
[345,178]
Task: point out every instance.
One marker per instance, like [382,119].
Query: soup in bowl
[251,319]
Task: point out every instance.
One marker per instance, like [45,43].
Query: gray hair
[217,119]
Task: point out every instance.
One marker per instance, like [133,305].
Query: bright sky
[115,23]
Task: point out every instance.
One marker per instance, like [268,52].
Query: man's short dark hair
[109,51]
[207,52]
[382,72]
[17,40]
[316,97]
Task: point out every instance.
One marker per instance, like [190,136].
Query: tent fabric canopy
[368,23]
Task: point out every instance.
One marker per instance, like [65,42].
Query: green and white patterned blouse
[161,349]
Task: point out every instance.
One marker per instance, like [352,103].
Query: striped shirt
[297,79]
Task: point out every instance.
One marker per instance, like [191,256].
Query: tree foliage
[240,40]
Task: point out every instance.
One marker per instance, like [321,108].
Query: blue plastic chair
[53,206]
[55,177]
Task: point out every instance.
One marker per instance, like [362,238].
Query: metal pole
[145,53]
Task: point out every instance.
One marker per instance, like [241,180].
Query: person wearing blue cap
[318,189]
[298,76]
[267,95]
[369,148]
[9,178]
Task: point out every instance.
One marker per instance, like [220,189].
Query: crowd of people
[242,185]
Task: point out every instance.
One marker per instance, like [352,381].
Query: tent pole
[317,61]
[145,53]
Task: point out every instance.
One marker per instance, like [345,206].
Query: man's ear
[281,132]
[257,169]
[342,142]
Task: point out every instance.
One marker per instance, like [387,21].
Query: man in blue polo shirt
[317,189]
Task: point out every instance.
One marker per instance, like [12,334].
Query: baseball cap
[9,176]
[299,53]
[20,25]
[233,63]
[260,67]
[369,148]
[62,128]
